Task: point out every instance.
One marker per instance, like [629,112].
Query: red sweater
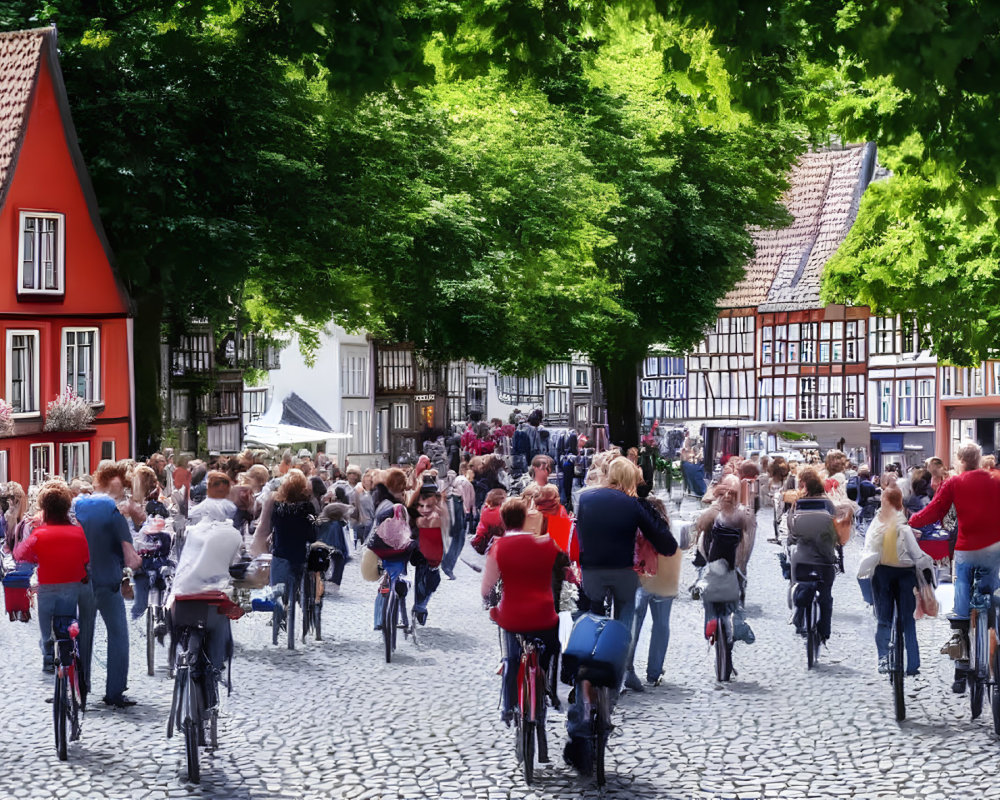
[490,526]
[526,563]
[976,497]
[60,551]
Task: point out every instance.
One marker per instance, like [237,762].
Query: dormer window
[42,253]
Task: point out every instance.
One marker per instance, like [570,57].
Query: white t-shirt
[209,549]
[212,508]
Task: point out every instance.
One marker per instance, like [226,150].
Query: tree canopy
[507,181]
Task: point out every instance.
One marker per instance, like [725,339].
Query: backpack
[853,488]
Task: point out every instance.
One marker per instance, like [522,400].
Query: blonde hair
[144,481]
[624,476]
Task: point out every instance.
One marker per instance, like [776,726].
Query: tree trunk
[148,411]
[621,389]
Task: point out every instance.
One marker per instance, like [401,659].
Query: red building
[64,314]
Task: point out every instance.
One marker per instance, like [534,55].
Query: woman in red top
[531,568]
[60,550]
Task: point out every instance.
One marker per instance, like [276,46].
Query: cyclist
[975,493]
[811,530]
[210,546]
[61,552]
[530,567]
[292,532]
[890,554]
[608,517]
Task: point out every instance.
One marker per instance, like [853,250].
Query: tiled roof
[20,57]
[823,195]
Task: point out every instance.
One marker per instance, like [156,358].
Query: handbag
[719,584]
[644,558]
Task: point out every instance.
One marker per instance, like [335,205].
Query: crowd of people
[549,546]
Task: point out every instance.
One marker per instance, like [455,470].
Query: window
[904,403]
[582,415]
[925,401]
[354,376]
[22,372]
[81,362]
[41,249]
[808,342]
[108,450]
[3,466]
[74,460]
[883,336]
[885,403]
[581,379]
[401,416]
[807,409]
[356,423]
[41,463]
[556,402]
[557,374]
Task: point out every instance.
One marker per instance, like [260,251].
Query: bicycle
[70,698]
[284,609]
[195,702]
[529,714]
[982,621]
[599,694]
[805,592]
[394,587]
[320,556]
[160,577]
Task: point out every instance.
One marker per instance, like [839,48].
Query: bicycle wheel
[308,593]
[213,729]
[317,609]
[75,703]
[527,731]
[896,667]
[601,713]
[518,737]
[150,642]
[812,637]
[293,592]
[390,622]
[995,696]
[191,750]
[723,650]
[276,619]
[60,712]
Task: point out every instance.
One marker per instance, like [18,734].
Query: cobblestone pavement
[332,720]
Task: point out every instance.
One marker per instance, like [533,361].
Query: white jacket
[908,550]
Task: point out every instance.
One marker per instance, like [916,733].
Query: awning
[292,421]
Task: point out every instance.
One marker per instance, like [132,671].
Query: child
[490,524]
[430,526]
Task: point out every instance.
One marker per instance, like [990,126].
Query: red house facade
[64,314]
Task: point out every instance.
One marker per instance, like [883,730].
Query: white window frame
[83,451]
[925,401]
[37,393]
[114,449]
[60,255]
[35,469]
[4,461]
[905,402]
[577,373]
[98,397]
[400,416]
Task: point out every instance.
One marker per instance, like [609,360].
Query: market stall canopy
[292,421]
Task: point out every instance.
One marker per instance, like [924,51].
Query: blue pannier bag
[598,649]
[803,593]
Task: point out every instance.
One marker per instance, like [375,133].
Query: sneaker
[49,668]
[955,648]
[710,628]
[958,687]
[883,665]
[912,673]
[632,682]
[420,616]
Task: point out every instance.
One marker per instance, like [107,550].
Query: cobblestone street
[332,720]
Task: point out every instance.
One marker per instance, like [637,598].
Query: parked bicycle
[70,698]
[194,709]
[394,587]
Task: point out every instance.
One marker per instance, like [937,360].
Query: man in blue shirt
[111,550]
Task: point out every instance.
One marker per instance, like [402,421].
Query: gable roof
[825,188]
[20,60]
[21,56]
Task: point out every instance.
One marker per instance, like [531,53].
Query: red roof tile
[20,57]
[823,196]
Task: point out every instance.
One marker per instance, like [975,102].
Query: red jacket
[490,526]
[976,497]
[526,564]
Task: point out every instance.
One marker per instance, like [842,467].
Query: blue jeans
[457,532]
[426,580]
[965,561]
[55,600]
[885,582]
[284,571]
[111,605]
[659,609]
[140,585]
[395,568]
